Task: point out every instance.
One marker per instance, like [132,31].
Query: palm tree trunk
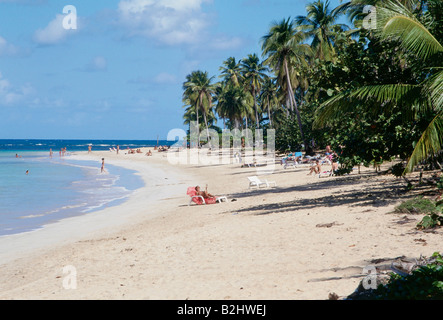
[247,136]
[198,129]
[293,102]
[198,126]
[207,129]
[255,107]
[237,123]
[269,114]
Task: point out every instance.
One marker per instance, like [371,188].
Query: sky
[114,69]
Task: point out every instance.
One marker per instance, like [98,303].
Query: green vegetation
[417,206]
[432,209]
[425,283]
[373,93]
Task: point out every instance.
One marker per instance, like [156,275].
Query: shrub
[430,221]
[417,206]
[425,283]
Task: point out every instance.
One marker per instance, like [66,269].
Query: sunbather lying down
[205,194]
[204,197]
[209,198]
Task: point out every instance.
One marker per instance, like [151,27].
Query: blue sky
[119,75]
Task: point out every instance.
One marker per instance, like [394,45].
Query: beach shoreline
[303,239]
[21,244]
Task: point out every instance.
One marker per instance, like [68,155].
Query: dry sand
[304,239]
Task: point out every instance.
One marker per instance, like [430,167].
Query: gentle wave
[56,189]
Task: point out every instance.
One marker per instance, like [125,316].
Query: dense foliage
[372,94]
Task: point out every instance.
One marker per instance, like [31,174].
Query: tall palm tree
[198,90]
[231,71]
[283,49]
[254,73]
[320,25]
[396,21]
[269,98]
[234,103]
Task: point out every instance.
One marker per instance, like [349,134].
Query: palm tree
[231,71]
[234,103]
[198,91]
[284,50]
[190,115]
[396,21]
[254,73]
[269,98]
[319,24]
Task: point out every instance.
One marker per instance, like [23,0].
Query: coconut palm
[254,73]
[231,71]
[284,49]
[269,97]
[198,91]
[320,25]
[396,22]
[234,103]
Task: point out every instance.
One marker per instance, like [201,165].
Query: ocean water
[36,189]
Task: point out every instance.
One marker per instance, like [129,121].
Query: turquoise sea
[36,189]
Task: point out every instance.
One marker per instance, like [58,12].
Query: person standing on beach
[50,153]
[118,148]
[89,148]
[103,165]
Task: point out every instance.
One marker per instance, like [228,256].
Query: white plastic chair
[256,182]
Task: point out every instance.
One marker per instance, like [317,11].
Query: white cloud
[10,95]
[175,22]
[53,33]
[170,22]
[7,48]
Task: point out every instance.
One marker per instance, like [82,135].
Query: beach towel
[198,200]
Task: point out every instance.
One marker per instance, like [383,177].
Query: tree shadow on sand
[363,193]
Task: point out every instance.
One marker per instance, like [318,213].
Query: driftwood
[401,266]
[405,267]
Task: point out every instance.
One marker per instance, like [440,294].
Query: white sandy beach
[304,239]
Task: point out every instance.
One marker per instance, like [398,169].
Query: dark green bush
[425,283]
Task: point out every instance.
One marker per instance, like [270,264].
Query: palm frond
[434,88]
[431,142]
[395,21]
[333,109]
[383,94]
[399,93]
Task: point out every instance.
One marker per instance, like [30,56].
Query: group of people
[132,151]
[316,162]
[161,148]
[316,167]
[330,157]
